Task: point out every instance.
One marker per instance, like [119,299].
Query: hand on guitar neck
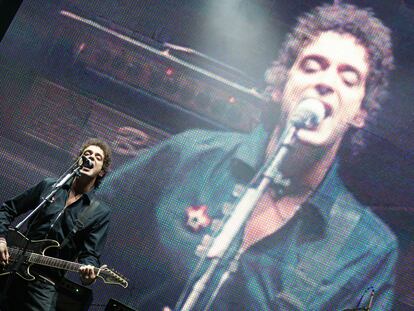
[4,253]
[88,275]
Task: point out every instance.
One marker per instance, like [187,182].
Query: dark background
[64,79]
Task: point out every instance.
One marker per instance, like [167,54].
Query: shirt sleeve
[91,248]
[18,205]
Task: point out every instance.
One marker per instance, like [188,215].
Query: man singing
[313,248]
[78,201]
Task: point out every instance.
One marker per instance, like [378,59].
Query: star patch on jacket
[197,217]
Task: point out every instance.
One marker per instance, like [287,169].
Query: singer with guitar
[308,244]
[73,217]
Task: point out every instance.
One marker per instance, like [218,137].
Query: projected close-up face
[333,69]
[207,155]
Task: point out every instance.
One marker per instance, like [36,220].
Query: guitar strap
[81,221]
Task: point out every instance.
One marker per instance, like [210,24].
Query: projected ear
[358,120]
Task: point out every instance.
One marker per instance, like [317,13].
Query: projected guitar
[34,255]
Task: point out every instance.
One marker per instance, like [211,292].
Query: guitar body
[16,242]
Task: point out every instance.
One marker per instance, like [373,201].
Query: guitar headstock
[112,277]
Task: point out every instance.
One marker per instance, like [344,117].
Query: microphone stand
[49,198]
[371,299]
[74,170]
[270,173]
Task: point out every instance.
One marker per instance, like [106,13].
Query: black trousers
[21,295]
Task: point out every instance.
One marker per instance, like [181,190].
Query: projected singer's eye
[312,64]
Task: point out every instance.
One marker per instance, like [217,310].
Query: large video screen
[193,98]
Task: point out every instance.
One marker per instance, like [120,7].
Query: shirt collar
[318,207]
[250,154]
[328,191]
[87,196]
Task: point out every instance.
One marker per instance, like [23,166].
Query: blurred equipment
[114,305]
[73,296]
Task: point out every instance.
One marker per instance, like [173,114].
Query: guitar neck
[33,255]
[47,261]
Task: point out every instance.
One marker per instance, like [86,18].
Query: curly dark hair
[368,31]
[107,156]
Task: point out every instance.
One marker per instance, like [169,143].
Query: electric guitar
[35,255]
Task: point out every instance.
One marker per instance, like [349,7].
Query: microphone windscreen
[308,113]
[85,162]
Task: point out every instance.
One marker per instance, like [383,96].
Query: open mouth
[328,110]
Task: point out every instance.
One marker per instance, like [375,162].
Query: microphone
[308,114]
[85,162]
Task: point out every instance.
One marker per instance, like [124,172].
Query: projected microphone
[85,162]
[308,114]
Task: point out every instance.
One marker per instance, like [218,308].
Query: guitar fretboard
[48,261]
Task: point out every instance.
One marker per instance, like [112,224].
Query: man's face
[333,69]
[96,155]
